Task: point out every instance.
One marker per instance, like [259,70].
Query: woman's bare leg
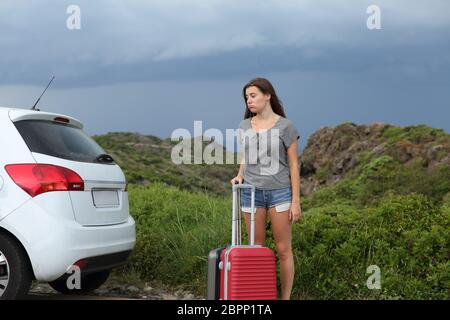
[282,234]
[260,225]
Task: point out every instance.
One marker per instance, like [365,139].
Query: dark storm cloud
[122,41]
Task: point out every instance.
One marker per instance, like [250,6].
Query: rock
[189,296]
[340,149]
[166,296]
[179,292]
[379,149]
[400,152]
[148,289]
[133,289]
[433,151]
[123,291]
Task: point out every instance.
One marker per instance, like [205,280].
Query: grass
[415,134]
[147,159]
[381,213]
[407,236]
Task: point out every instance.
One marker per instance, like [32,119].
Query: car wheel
[88,283]
[15,269]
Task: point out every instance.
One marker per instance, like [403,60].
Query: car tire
[88,283]
[15,269]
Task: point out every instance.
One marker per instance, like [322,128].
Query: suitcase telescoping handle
[236,235]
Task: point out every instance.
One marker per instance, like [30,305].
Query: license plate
[105,198]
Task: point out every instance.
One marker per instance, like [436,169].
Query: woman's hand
[295,213]
[237,179]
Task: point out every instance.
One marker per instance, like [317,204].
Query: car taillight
[40,178]
[81,263]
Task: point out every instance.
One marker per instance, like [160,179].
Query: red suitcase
[247,272]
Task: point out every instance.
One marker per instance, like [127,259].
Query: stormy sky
[155,66]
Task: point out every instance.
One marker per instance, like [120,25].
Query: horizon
[155,67]
[236,151]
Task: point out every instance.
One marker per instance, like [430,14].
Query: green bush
[379,177]
[415,134]
[406,236]
[175,231]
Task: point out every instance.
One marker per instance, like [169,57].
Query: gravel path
[114,291]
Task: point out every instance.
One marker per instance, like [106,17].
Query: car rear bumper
[99,263]
[54,241]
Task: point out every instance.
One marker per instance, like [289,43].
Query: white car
[63,205]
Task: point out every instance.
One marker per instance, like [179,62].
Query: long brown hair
[266,87]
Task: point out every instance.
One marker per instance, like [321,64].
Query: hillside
[146,159]
[364,162]
[403,159]
[373,195]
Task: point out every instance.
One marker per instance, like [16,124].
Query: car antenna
[34,106]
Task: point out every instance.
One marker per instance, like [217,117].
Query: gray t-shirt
[265,153]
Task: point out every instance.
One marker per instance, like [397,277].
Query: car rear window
[58,140]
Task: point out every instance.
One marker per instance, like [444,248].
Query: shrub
[416,134]
[406,236]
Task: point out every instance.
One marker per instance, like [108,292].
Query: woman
[278,184]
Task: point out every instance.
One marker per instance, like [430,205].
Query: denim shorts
[279,198]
